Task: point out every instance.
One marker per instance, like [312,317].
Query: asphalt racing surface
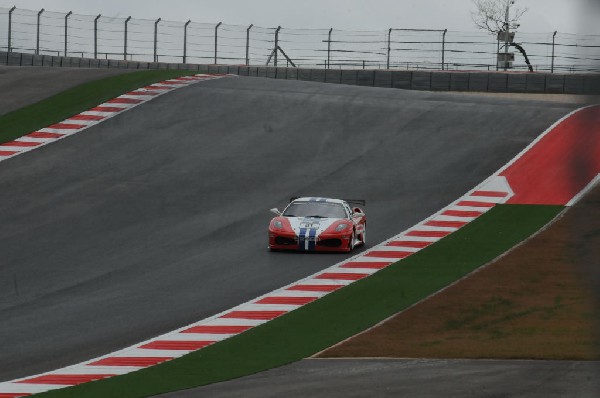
[424,378]
[22,86]
[157,217]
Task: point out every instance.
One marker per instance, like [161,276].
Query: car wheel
[352,240]
[364,236]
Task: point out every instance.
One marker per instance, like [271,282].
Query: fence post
[389,48]
[216,28]
[10,28]
[248,44]
[443,46]
[276,50]
[156,39]
[552,67]
[497,51]
[329,48]
[66,24]
[37,41]
[185,40]
[96,36]
[125,39]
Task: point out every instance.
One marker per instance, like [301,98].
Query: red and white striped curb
[237,320]
[98,114]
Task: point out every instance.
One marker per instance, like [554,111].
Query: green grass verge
[337,316]
[76,100]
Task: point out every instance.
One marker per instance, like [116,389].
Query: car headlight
[277,224]
[341,227]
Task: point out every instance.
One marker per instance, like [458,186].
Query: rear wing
[360,202]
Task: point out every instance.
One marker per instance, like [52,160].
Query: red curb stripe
[341,276]
[217,329]
[286,300]
[560,164]
[142,93]
[87,117]
[14,395]
[429,234]
[372,264]
[41,134]
[7,153]
[409,243]
[259,315]
[68,380]
[124,101]
[472,203]
[176,345]
[158,88]
[130,361]
[452,224]
[107,109]
[315,288]
[21,143]
[491,194]
[66,126]
[462,213]
[165,82]
[388,254]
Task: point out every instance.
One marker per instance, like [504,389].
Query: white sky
[567,16]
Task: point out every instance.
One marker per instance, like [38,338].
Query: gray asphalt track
[157,218]
[22,86]
[423,378]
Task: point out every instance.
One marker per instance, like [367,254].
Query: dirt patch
[540,301]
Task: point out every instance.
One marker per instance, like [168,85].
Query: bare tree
[497,16]
[490,15]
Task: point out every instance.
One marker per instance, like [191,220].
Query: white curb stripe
[493,190]
[78,123]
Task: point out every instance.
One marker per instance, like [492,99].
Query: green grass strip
[76,100]
[337,316]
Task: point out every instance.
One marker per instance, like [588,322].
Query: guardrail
[552,83]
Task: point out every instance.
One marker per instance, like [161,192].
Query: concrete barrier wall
[411,80]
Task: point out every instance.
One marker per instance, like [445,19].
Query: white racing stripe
[251,314]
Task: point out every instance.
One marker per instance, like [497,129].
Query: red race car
[318,224]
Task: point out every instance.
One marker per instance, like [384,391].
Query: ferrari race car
[318,224]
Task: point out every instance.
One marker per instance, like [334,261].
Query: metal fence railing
[97,36]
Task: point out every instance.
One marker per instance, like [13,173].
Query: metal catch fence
[98,36]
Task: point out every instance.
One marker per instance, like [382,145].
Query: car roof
[318,199]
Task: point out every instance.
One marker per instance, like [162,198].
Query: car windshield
[315,209]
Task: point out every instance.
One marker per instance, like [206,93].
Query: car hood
[301,225]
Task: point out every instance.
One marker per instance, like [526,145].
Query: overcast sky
[568,16]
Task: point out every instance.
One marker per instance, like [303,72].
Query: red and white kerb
[98,114]
[496,189]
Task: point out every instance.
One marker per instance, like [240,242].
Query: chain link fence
[97,36]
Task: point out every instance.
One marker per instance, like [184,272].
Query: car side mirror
[356,211]
[275,211]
